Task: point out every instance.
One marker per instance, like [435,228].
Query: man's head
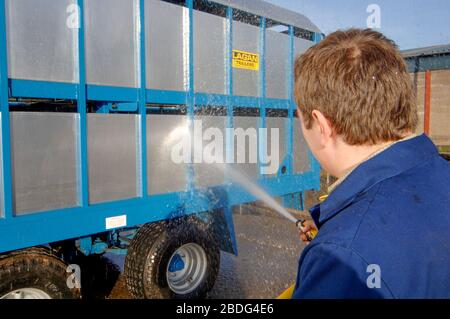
[353,89]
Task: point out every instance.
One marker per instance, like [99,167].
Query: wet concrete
[266,265]
[269,249]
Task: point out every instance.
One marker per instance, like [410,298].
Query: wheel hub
[187,268]
[26,293]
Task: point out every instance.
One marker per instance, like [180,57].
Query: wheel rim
[186,268]
[26,293]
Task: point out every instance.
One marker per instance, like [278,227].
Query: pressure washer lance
[301,225]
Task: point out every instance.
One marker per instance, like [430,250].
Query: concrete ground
[269,249]
[266,265]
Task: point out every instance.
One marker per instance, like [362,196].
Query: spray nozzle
[310,234]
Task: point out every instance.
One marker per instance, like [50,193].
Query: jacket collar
[391,162]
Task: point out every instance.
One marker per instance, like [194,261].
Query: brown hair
[359,81]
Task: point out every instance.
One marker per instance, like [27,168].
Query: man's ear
[324,125]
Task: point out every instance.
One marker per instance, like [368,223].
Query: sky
[410,23]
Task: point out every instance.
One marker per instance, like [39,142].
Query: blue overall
[384,232]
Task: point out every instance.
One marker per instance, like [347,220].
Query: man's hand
[308,226]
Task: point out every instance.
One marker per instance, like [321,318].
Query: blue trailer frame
[85,220]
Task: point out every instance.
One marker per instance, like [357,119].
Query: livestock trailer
[91,90]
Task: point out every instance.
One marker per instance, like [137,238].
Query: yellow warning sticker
[245,60]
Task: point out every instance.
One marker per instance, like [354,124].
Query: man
[384,230]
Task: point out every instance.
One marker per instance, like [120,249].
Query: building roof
[265,9]
[427,51]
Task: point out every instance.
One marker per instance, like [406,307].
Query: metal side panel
[279,148]
[214,148]
[301,45]
[209,53]
[300,149]
[112,42]
[112,156]
[166,32]
[246,38]
[2,197]
[44,161]
[41,45]
[250,125]
[164,133]
[277,64]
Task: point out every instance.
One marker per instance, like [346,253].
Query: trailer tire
[151,250]
[34,273]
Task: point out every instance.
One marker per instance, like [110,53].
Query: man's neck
[350,156]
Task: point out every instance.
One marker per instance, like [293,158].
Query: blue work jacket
[384,232]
